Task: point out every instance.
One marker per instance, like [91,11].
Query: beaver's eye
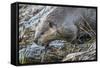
[42,33]
[50,24]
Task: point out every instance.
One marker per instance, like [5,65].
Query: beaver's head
[45,32]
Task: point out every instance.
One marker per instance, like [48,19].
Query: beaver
[63,24]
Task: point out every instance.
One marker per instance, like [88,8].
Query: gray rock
[31,54]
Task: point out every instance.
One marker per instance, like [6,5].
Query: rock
[57,44]
[31,54]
